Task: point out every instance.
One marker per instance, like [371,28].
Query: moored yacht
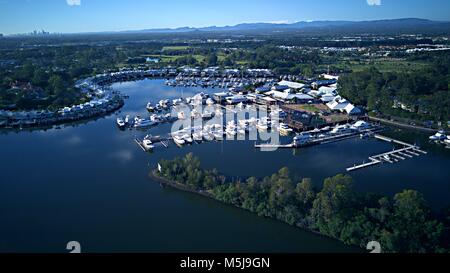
[181,115]
[284,129]
[342,129]
[187,138]
[143,123]
[197,135]
[147,144]
[439,136]
[150,108]
[121,123]
[447,140]
[302,139]
[179,140]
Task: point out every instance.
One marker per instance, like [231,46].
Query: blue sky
[68,16]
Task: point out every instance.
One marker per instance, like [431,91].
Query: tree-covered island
[401,224]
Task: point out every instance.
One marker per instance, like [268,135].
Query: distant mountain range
[379,26]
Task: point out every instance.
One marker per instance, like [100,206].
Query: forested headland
[402,224]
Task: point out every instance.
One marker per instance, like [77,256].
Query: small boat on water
[143,123]
[195,114]
[263,124]
[197,135]
[302,139]
[447,140]
[121,123]
[241,129]
[150,108]
[207,114]
[176,102]
[342,129]
[181,115]
[147,144]
[179,140]
[187,138]
[217,131]
[284,129]
[219,112]
[439,136]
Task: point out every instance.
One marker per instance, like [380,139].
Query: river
[89,183]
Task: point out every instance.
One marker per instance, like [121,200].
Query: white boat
[207,133]
[150,108]
[176,102]
[263,124]
[243,122]
[181,115]
[155,118]
[438,136]
[127,119]
[231,129]
[195,114]
[219,112]
[302,139]
[187,138]
[284,129]
[147,144]
[207,114]
[179,140]
[143,123]
[342,129]
[217,131]
[120,122]
[447,140]
[241,130]
[209,101]
[197,135]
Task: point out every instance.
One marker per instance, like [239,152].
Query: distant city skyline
[75,16]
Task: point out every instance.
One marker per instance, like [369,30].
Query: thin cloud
[374,2]
[73,2]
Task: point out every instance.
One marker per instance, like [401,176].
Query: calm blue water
[90,183]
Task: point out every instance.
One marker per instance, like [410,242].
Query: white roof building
[350,109]
[330,77]
[338,104]
[288,96]
[327,98]
[293,85]
[327,90]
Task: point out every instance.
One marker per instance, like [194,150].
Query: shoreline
[403,125]
[178,186]
[57,119]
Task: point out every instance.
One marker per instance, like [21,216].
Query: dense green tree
[401,224]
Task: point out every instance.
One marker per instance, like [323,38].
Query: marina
[119,190]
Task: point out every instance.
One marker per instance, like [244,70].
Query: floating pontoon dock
[397,155]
